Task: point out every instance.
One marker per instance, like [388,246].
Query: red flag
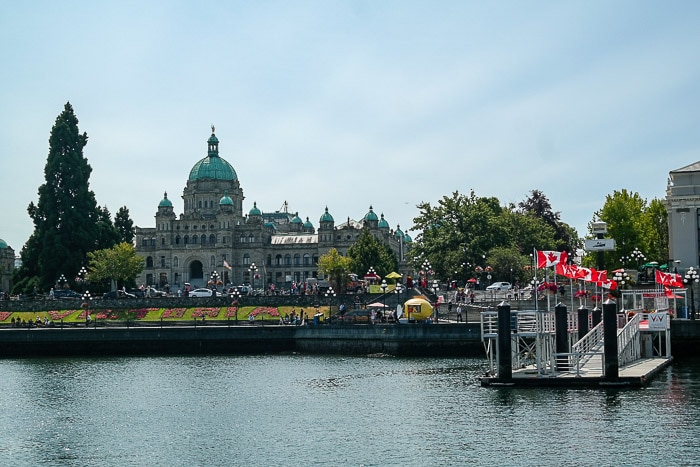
[570,271]
[668,278]
[551,258]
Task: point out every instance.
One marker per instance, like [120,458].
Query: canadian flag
[670,279]
[570,271]
[226,265]
[551,258]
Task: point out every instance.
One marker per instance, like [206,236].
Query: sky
[352,104]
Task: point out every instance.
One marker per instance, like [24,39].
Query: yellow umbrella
[393,275]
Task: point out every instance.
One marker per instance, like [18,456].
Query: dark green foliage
[538,206]
[124,225]
[369,252]
[67,221]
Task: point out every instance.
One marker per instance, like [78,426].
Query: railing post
[596,315]
[505,364]
[582,322]
[612,365]
[560,336]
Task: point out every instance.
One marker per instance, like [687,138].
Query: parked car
[115,294]
[499,287]
[201,293]
[153,292]
[66,294]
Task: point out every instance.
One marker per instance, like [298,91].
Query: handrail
[628,341]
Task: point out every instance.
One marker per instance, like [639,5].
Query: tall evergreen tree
[66,214]
[124,225]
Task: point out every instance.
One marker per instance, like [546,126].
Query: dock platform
[634,375]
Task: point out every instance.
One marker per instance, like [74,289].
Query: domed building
[213,235]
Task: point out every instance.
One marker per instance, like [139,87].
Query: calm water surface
[330,410]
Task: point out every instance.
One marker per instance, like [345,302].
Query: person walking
[459,313]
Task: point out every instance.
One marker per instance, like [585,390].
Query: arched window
[297,259]
[212,262]
[176,261]
[278,260]
[307,259]
[177,240]
[251,238]
[149,262]
[246,259]
[144,242]
[268,261]
[195,239]
[287,260]
[212,239]
[204,239]
[242,238]
[315,259]
[187,239]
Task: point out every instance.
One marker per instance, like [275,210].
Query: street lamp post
[435,288]
[691,275]
[426,270]
[253,272]
[535,286]
[383,287]
[214,280]
[236,294]
[329,294]
[86,307]
[638,256]
[621,277]
[397,291]
[82,277]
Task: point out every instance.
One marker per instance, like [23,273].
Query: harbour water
[331,410]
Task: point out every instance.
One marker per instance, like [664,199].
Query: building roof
[213,167]
[326,217]
[371,216]
[165,202]
[694,167]
[3,244]
[226,200]
[255,211]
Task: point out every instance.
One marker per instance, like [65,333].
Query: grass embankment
[258,313]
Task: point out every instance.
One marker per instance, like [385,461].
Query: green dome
[212,167]
[371,216]
[398,232]
[383,224]
[308,224]
[165,202]
[225,200]
[271,225]
[296,219]
[326,217]
[255,211]
[407,239]
[3,244]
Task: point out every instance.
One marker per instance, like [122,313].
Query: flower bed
[59,315]
[265,310]
[177,313]
[231,312]
[208,312]
[107,314]
[4,315]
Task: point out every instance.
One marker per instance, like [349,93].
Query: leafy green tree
[538,205]
[508,264]
[66,214]
[624,213]
[336,267]
[108,235]
[124,225]
[655,218]
[117,264]
[369,252]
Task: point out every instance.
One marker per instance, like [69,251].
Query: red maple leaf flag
[669,279]
[551,258]
[570,271]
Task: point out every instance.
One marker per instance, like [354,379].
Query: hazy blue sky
[348,104]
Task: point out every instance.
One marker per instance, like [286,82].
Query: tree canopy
[336,267]
[368,252]
[117,264]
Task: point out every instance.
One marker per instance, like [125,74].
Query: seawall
[400,340]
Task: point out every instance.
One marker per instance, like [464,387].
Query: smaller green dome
[3,244]
[225,200]
[271,225]
[371,216]
[308,224]
[407,239]
[255,211]
[165,202]
[383,224]
[326,217]
[398,232]
[296,219]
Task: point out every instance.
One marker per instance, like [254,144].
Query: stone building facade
[213,236]
[7,266]
[683,207]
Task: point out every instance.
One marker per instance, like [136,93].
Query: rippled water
[310,410]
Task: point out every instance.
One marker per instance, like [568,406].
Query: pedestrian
[471,297]
[459,313]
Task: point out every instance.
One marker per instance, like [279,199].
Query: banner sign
[601,244]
